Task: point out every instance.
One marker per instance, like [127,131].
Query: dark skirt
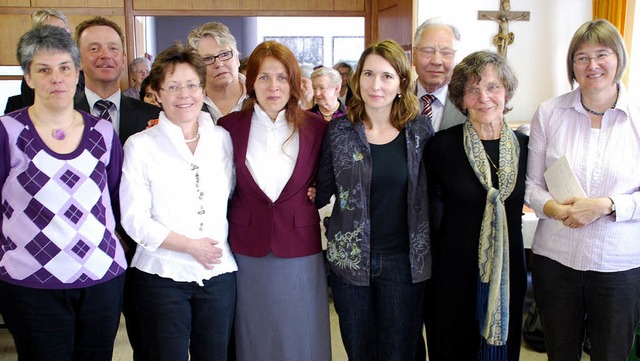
[282,311]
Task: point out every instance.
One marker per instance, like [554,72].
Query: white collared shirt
[213,108]
[272,152]
[437,106]
[166,188]
[562,126]
[114,111]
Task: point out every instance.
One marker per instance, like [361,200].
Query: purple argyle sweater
[57,225]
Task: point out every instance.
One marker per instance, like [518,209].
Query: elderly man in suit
[434,55]
[101,44]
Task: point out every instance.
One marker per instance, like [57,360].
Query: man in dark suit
[434,55]
[101,44]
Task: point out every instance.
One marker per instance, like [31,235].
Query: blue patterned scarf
[493,250]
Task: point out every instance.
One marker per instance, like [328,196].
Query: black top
[388,199]
[492,148]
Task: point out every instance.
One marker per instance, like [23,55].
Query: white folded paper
[562,183]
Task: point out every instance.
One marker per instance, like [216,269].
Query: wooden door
[393,19]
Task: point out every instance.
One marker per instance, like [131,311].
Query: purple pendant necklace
[59,133]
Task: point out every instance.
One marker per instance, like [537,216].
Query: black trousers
[566,296]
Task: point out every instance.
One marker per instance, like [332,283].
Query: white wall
[634,72]
[538,55]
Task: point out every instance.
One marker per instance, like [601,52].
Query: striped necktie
[103,107]
[427,99]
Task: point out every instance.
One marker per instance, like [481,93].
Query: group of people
[204,229]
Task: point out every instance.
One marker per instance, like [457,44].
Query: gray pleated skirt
[282,312]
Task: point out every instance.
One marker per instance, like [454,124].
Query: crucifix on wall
[504,38]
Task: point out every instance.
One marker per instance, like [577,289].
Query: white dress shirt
[114,111]
[272,152]
[562,126]
[166,188]
[437,107]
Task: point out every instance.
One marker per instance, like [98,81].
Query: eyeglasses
[474,92]
[600,58]
[224,56]
[175,88]
[429,52]
[142,72]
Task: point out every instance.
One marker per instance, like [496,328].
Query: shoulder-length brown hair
[282,54]
[405,105]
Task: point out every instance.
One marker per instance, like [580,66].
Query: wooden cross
[504,38]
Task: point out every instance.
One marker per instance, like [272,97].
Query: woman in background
[146,94]
[378,233]
[225,88]
[586,251]
[326,88]
[282,308]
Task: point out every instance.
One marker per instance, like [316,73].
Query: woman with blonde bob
[586,251]
[378,233]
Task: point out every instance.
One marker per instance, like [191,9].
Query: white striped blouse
[561,126]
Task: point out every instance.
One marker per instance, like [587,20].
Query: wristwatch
[613,207]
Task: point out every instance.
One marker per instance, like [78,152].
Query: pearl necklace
[601,113]
[193,139]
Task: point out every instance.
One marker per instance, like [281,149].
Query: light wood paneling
[14,26]
[79,3]
[321,4]
[250,5]
[353,5]
[215,5]
[17,3]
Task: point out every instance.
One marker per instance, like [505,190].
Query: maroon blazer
[290,226]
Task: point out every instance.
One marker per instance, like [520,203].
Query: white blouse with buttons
[167,188]
[272,152]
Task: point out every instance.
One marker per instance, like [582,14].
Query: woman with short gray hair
[225,88]
[326,89]
[62,263]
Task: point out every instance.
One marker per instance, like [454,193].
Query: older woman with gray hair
[62,264]
[476,173]
[225,88]
[326,89]
[138,71]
